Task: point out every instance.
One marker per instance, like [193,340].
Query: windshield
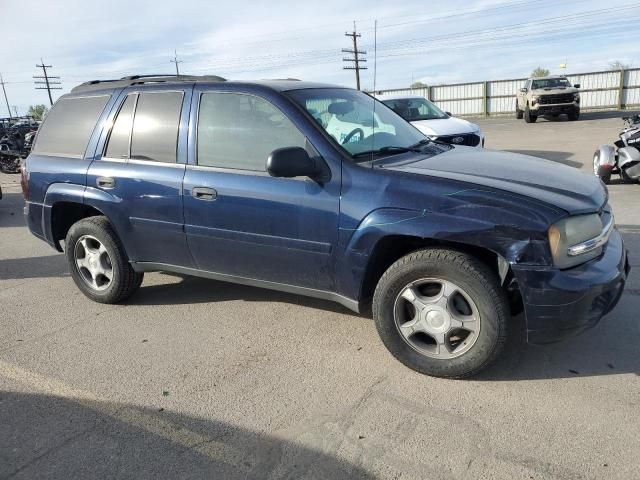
[348,117]
[412,109]
[550,83]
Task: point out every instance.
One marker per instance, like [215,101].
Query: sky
[432,41]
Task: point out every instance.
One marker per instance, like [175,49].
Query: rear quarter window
[68,126]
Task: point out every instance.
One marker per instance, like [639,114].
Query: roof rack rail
[142,79]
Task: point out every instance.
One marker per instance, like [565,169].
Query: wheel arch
[66,204]
[64,214]
[391,248]
[388,234]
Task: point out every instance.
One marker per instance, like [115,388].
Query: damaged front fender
[514,230]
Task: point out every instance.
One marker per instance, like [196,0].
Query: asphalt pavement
[194,378]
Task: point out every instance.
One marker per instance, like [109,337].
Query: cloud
[260,39]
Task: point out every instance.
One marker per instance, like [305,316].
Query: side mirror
[449,113]
[524,90]
[291,162]
[577,85]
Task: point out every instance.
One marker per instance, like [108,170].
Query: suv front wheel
[574,114]
[98,263]
[442,313]
[528,116]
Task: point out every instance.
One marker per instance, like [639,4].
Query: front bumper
[546,109]
[559,303]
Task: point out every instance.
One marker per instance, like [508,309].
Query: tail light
[24,179]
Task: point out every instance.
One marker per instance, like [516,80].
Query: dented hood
[556,184]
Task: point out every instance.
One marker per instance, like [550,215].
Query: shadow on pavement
[202,290]
[608,114]
[34,267]
[46,436]
[11,210]
[560,157]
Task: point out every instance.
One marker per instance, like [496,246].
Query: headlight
[576,97]
[575,240]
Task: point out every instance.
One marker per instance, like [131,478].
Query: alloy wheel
[437,318]
[93,262]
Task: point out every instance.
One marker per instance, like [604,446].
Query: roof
[276,84]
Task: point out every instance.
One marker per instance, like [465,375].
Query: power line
[176,61]
[49,81]
[356,59]
[5,95]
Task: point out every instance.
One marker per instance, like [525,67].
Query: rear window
[68,126]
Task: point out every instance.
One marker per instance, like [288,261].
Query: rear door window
[118,146]
[68,126]
[155,127]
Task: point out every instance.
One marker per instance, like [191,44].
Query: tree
[540,72]
[37,111]
[419,85]
[618,65]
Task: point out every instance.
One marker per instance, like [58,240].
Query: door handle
[204,193]
[106,182]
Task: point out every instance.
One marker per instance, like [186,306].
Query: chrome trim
[593,243]
[137,161]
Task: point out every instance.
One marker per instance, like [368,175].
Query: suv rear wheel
[528,116]
[442,313]
[98,263]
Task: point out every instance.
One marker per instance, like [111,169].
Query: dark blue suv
[326,192]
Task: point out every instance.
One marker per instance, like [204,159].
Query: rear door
[239,220]
[137,177]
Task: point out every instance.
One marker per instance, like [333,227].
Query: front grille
[554,99]
[468,139]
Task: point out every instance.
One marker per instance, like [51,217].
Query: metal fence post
[485,110]
[621,90]
[430,93]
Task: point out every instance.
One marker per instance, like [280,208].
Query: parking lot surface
[193,378]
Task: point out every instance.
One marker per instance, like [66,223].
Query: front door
[239,220]
[137,178]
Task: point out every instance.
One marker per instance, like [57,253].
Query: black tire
[574,114]
[528,117]
[603,173]
[519,113]
[476,278]
[124,280]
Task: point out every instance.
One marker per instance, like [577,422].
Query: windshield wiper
[392,150]
[424,141]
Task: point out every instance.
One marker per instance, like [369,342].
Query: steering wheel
[352,133]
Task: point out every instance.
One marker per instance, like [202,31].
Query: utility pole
[5,95]
[357,58]
[176,61]
[49,82]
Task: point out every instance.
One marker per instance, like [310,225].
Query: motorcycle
[624,161]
